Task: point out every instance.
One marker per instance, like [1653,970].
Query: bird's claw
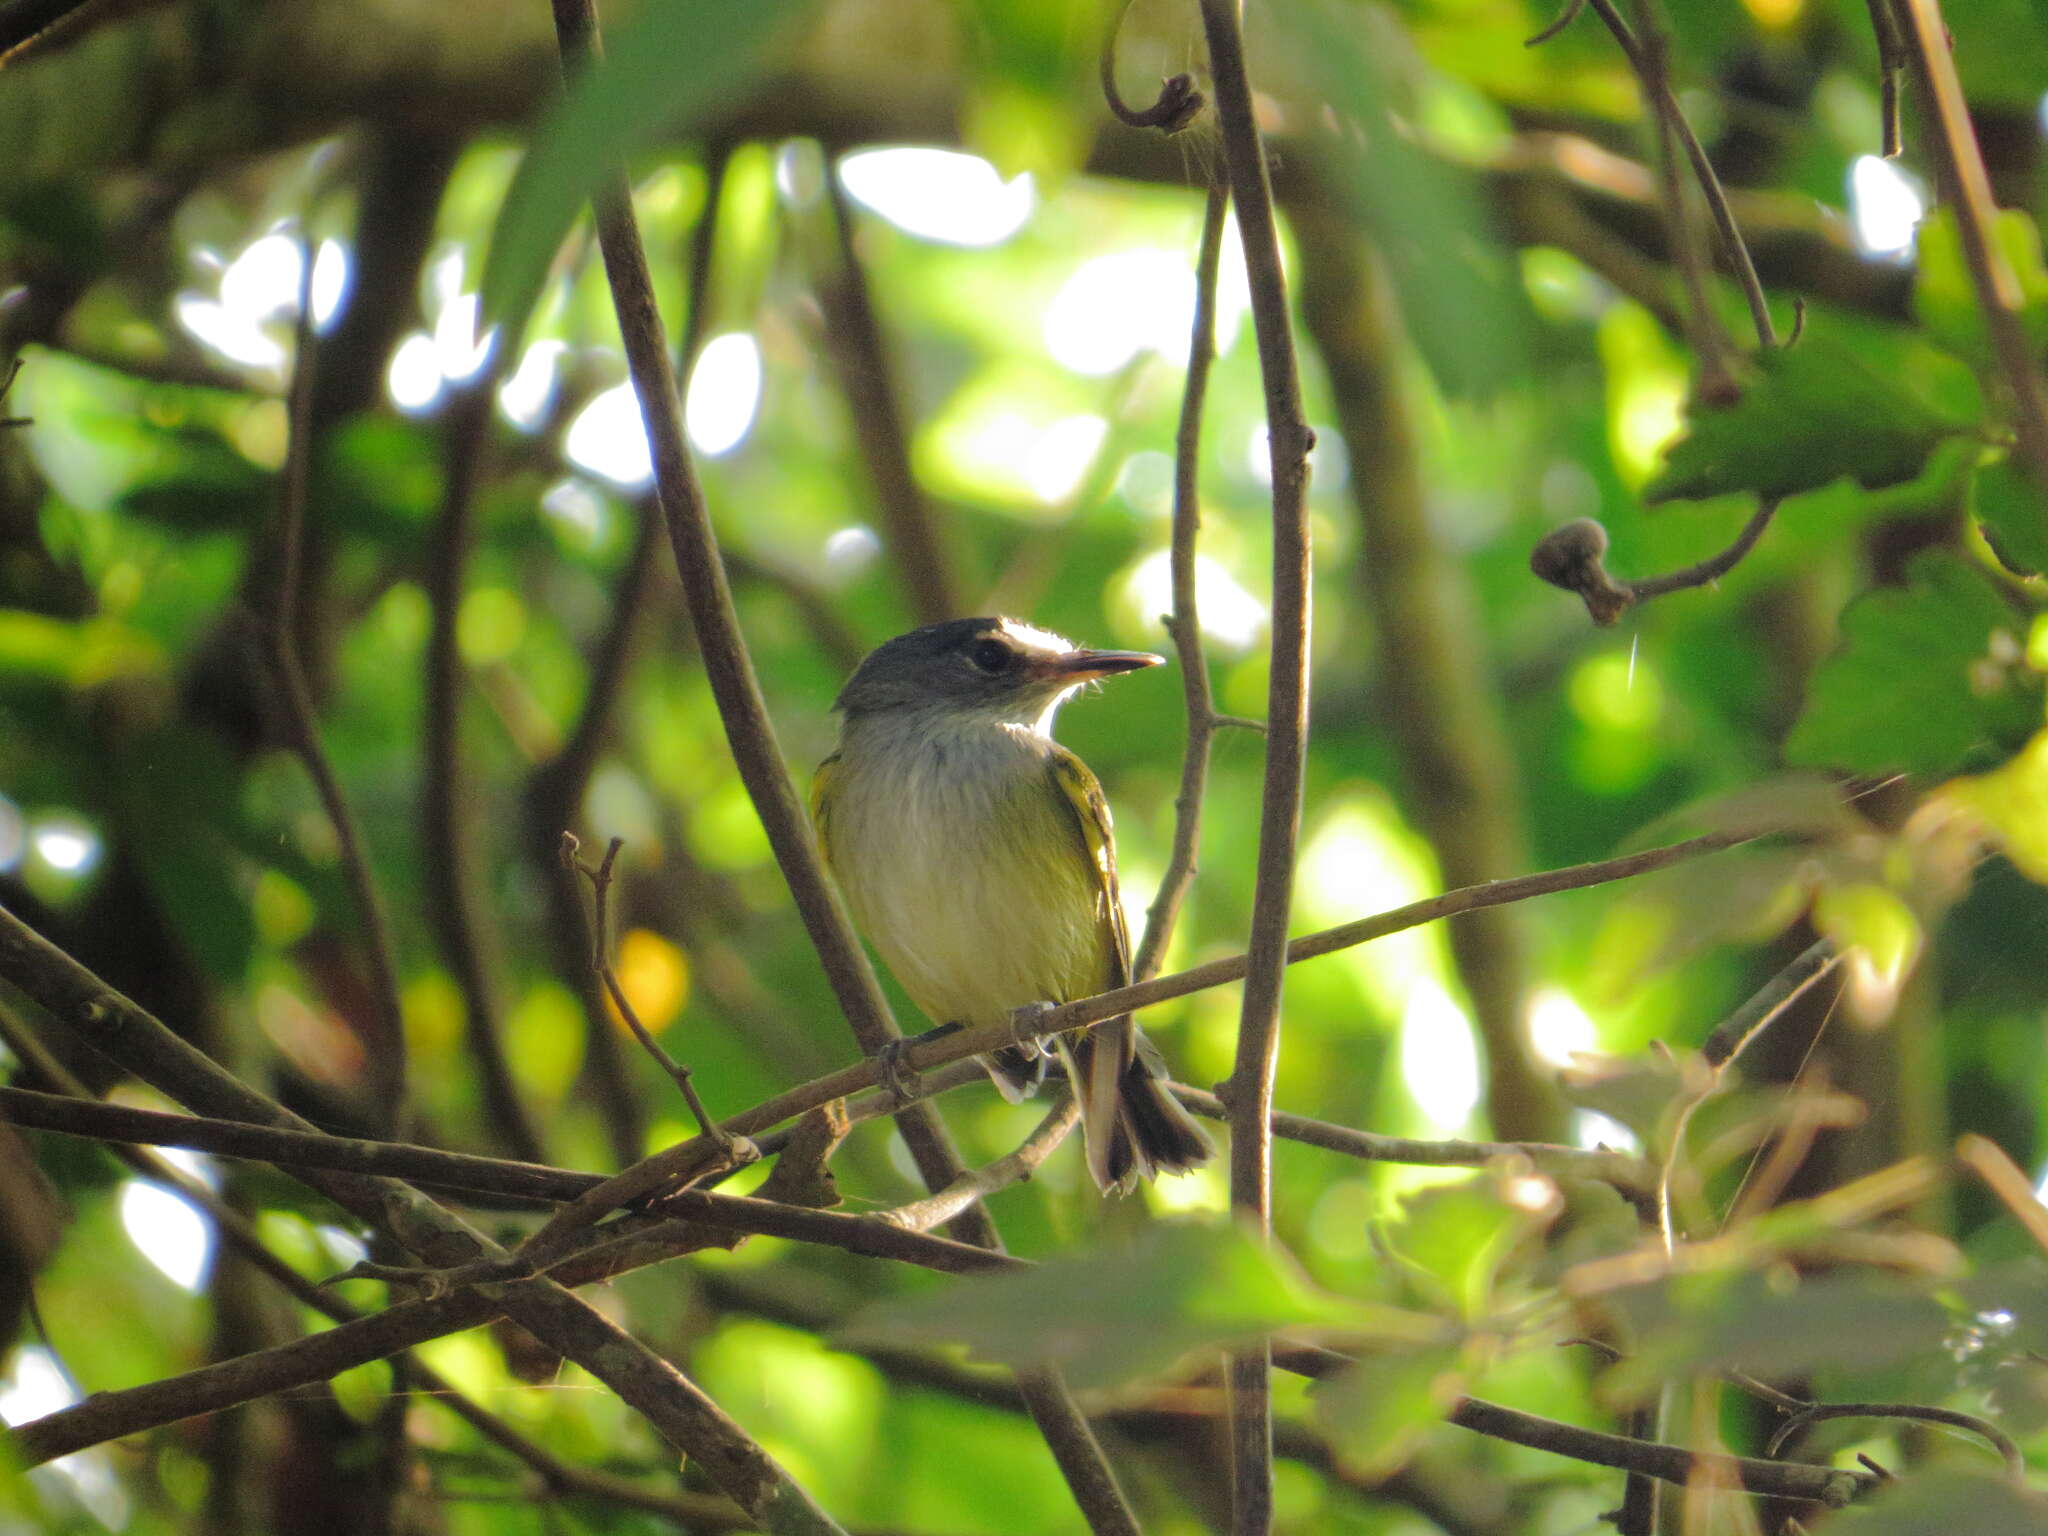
[1026,1026]
[895,1074]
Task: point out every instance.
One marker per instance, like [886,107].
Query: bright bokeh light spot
[330,282]
[1119,305]
[725,392]
[939,194]
[849,551]
[1439,1057]
[1228,613]
[414,378]
[1591,1129]
[1884,207]
[214,327]
[1558,1026]
[66,845]
[526,396]
[37,1389]
[1361,859]
[1061,455]
[1146,483]
[170,1233]
[263,282]
[609,439]
[1616,691]
[458,350]
[1774,15]
[13,834]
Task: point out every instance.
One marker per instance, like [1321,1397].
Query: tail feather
[1016,1070]
[1132,1126]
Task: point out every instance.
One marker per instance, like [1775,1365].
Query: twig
[1573,556]
[1571,12]
[1648,53]
[859,354]
[1967,187]
[600,880]
[2002,1176]
[2000,1442]
[1665,104]
[1891,68]
[1728,1040]
[445,822]
[1184,623]
[751,734]
[134,1039]
[1178,100]
[1289,439]
[238,1233]
[923,1215]
[387,1062]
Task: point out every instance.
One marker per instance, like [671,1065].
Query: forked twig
[600,879]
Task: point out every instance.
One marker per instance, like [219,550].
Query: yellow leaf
[655,976]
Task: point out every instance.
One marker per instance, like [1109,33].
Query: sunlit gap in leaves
[527,394]
[1229,614]
[426,363]
[1885,208]
[35,1388]
[939,194]
[65,845]
[1114,307]
[167,1229]
[1560,1029]
[1363,859]
[849,551]
[609,439]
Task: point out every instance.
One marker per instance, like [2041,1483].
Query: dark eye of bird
[991,656]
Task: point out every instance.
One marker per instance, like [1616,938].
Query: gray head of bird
[996,669]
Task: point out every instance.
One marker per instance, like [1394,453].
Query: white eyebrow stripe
[1034,638]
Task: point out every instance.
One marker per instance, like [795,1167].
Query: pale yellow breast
[963,866]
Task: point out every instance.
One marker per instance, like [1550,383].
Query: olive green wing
[821,803]
[1082,795]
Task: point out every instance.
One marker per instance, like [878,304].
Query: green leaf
[1945,296]
[2013,801]
[1375,1411]
[673,61]
[1941,1502]
[1129,1310]
[1774,1325]
[1823,409]
[1874,922]
[2013,515]
[1929,678]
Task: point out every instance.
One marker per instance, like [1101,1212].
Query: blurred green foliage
[1887,633]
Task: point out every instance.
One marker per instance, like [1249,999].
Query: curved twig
[1178,100]
[2006,1448]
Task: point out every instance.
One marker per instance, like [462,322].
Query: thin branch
[1728,1040]
[756,754]
[600,880]
[136,1040]
[1573,556]
[1892,60]
[1184,623]
[1289,439]
[1177,103]
[935,1209]
[236,1231]
[1967,188]
[445,809]
[1662,101]
[387,1063]
[2002,1444]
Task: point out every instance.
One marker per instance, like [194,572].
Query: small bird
[976,854]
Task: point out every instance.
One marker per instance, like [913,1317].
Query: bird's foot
[895,1072]
[1027,1032]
